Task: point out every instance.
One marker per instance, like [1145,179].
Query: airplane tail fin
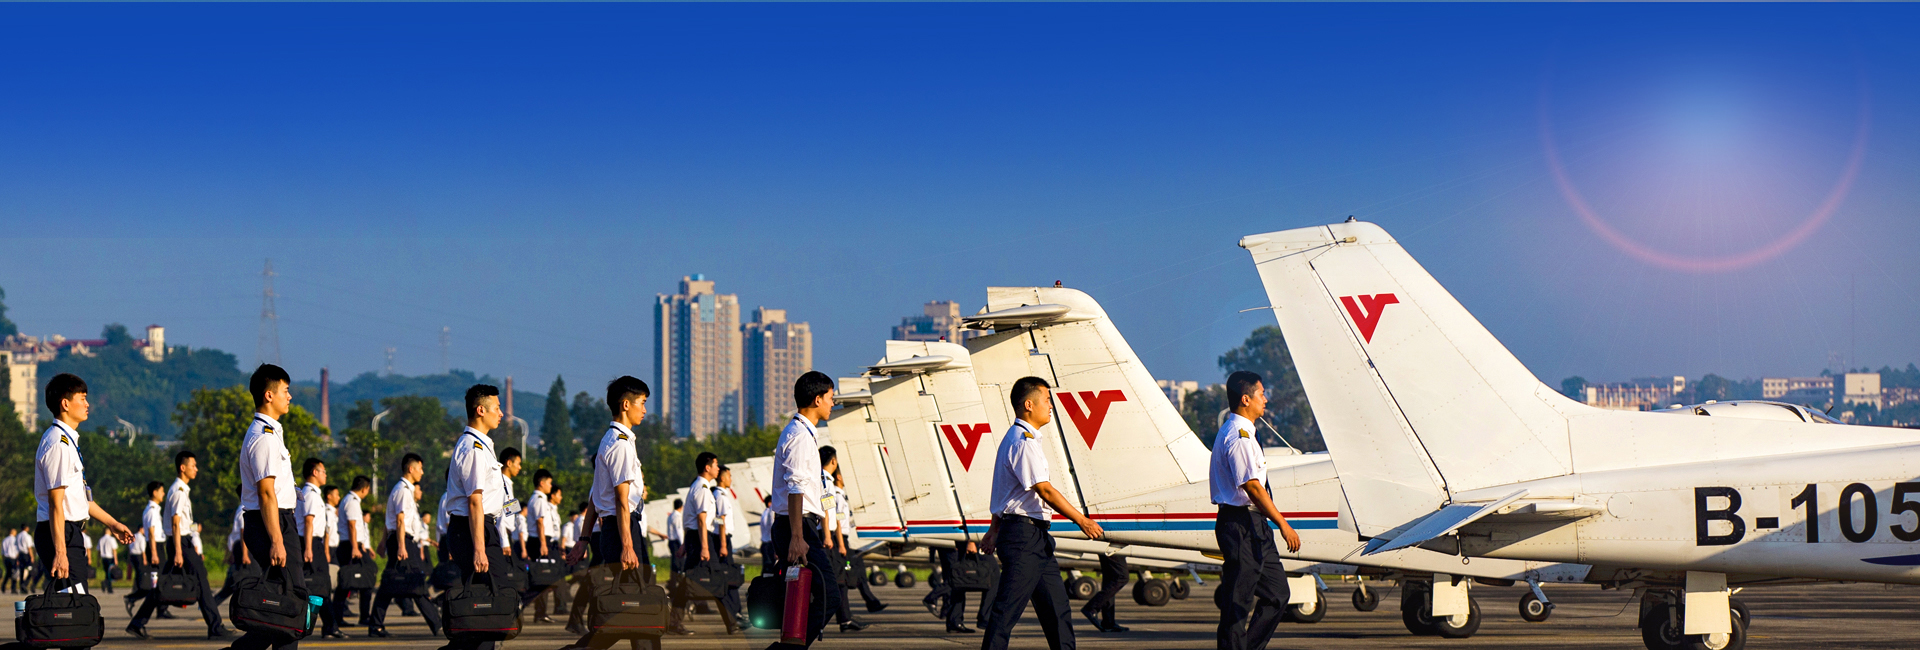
[1416,399]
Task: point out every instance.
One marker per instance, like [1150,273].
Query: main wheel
[1367,600]
[904,580]
[1181,590]
[1534,610]
[877,579]
[1659,631]
[1740,610]
[1414,606]
[1081,588]
[1310,612]
[1139,591]
[1454,627]
[1156,593]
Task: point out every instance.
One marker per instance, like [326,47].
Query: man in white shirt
[267,492]
[1252,595]
[355,545]
[476,499]
[798,536]
[151,532]
[848,531]
[238,562]
[109,551]
[724,524]
[544,537]
[181,550]
[310,518]
[24,541]
[1022,503]
[767,558]
[698,544]
[676,541]
[513,529]
[835,504]
[619,492]
[405,561]
[11,548]
[62,500]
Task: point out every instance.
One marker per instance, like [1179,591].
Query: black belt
[1228,507]
[1042,525]
[490,520]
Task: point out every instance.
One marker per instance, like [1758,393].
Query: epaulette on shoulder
[1244,434]
[477,445]
[623,436]
[1027,434]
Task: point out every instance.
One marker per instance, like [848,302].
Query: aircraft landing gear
[1309,612]
[1365,599]
[1662,617]
[1416,612]
[1534,606]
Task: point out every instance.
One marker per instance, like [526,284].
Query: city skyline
[530,176]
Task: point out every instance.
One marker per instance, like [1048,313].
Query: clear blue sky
[531,175]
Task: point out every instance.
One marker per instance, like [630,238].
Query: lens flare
[1704,263]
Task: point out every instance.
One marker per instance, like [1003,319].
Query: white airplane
[1443,440]
[1139,468]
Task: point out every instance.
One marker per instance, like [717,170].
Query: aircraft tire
[1366,601]
[877,578]
[1414,609]
[1156,593]
[1740,610]
[1181,590]
[1658,632]
[1447,629]
[904,580]
[1534,610]
[1081,588]
[1309,612]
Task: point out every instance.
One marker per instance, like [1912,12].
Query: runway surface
[1823,616]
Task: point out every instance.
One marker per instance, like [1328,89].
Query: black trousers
[1252,595]
[716,554]
[826,577]
[378,617]
[136,568]
[458,542]
[1028,573]
[260,547]
[606,550]
[343,556]
[1113,577]
[329,618]
[106,574]
[858,565]
[553,591]
[192,565]
[78,570]
[233,563]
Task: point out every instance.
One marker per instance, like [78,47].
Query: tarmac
[1806,616]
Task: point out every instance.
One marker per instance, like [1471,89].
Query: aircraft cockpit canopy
[1755,410]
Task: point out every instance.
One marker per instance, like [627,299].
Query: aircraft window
[1700,411]
[1822,418]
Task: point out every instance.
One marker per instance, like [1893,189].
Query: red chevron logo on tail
[965,439]
[1366,313]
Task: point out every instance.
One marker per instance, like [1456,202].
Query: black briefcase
[626,604]
[178,588]
[407,579]
[973,571]
[546,572]
[766,600]
[478,610]
[271,606]
[358,575]
[60,620]
[445,576]
[737,575]
[707,579]
[317,581]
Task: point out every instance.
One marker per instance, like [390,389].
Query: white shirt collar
[623,429]
[1235,422]
[808,423]
[62,425]
[1023,424]
[273,425]
[483,437]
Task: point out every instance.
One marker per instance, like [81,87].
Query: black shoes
[961,629]
[932,608]
[219,633]
[876,607]
[139,632]
[852,626]
[378,632]
[545,620]
[1094,618]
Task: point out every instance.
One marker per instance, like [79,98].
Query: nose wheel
[1662,618]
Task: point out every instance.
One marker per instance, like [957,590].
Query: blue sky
[531,175]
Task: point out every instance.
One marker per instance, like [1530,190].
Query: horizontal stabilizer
[1441,522]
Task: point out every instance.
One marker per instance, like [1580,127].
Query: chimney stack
[326,409]
[509,393]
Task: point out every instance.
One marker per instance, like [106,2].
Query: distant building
[1775,388]
[21,356]
[939,321]
[1643,394]
[776,352]
[696,345]
[1177,391]
[1857,388]
[1891,397]
[23,387]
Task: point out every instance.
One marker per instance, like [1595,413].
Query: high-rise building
[939,321]
[23,388]
[1642,394]
[696,347]
[776,353]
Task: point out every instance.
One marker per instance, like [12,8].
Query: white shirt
[796,468]
[25,541]
[153,525]
[615,463]
[194,539]
[402,513]
[349,514]
[139,543]
[545,515]
[233,534]
[10,547]
[567,533]
[766,526]
[843,517]
[723,509]
[830,502]
[512,525]
[1021,464]
[1237,458]
[179,503]
[673,527]
[263,453]
[86,541]
[328,518]
[57,464]
[475,467]
[310,504]
[108,547]
[699,502]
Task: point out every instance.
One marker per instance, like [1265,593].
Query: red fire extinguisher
[793,621]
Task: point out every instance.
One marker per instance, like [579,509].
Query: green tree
[1201,409]
[213,423]
[1265,352]
[123,384]
[558,449]
[1575,388]
[589,417]
[117,336]
[118,472]
[7,327]
[17,446]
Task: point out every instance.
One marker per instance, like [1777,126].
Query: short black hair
[1025,388]
[154,486]
[360,482]
[180,459]
[810,387]
[306,468]
[826,454]
[474,395]
[509,454]
[700,462]
[263,379]
[542,475]
[767,499]
[61,387]
[328,491]
[1240,384]
[724,469]
[409,459]
[677,503]
[619,390]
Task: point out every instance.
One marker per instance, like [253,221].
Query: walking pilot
[1252,595]
[798,533]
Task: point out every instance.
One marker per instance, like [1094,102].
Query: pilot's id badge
[513,506]
[89,491]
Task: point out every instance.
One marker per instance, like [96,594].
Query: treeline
[1288,413]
